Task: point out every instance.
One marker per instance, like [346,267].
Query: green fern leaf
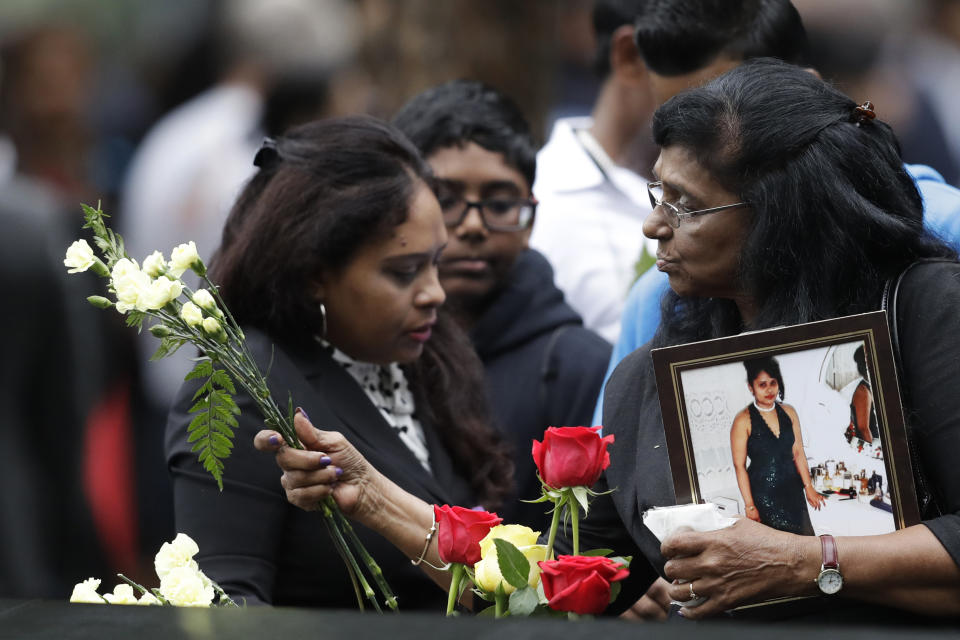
[210,429]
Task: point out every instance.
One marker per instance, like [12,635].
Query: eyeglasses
[675,214]
[496,214]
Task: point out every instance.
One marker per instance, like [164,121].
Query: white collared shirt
[589,223]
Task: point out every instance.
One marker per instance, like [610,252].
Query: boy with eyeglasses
[542,367]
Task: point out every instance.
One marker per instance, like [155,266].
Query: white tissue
[665,521]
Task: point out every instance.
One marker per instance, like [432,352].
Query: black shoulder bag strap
[891,289]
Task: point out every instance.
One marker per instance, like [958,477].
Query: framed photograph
[799,427]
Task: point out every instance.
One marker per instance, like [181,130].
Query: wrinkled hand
[753,513]
[814,497]
[744,563]
[653,606]
[327,466]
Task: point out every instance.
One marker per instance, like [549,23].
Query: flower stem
[554,524]
[375,571]
[454,587]
[133,584]
[575,524]
[500,604]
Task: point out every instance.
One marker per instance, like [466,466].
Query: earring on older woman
[323,321]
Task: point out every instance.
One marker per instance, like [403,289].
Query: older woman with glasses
[779,201]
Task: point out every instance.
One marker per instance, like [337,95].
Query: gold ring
[693,594]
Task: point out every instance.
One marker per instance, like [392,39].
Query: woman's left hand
[814,497]
[744,563]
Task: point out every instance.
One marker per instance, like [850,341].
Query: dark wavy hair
[461,111]
[327,189]
[834,212]
[756,366]
[676,37]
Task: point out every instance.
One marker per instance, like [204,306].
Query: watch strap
[831,558]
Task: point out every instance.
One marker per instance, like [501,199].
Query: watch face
[830,581]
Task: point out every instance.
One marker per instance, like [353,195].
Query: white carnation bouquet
[155,292]
[182,583]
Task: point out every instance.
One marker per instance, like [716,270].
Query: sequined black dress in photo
[774,481]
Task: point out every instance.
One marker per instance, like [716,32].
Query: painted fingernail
[681,613]
[303,411]
[274,440]
[338,471]
[325,461]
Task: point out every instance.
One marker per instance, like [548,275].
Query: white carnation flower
[204,300]
[212,327]
[129,283]
[148,599]
[122,594]
[79,257]
[186,587]
[159,293]
[178,553]
[154,264]
[183,257]
[191,314]
[86,591]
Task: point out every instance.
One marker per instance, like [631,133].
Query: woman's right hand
[328,465]
[752,513]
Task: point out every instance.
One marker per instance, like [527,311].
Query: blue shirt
[641,311]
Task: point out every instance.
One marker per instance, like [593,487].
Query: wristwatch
[829,580]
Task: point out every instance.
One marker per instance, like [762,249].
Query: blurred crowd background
[155,109]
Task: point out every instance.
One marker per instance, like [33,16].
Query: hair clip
[864,113]
[267,154]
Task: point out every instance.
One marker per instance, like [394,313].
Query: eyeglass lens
[496,214]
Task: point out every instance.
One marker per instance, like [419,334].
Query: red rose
[571,456]
[580,584]
[459,532]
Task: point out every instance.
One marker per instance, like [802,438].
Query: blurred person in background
[866,58]
[592,197]
[192,164]
[542,367]
[46,101]
[933,56]
[50,375]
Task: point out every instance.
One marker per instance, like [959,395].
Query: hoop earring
[323,321]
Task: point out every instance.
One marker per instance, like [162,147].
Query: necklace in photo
[759,408]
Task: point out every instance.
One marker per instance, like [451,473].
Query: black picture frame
[688,374]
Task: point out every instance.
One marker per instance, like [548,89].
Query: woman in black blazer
[329,261]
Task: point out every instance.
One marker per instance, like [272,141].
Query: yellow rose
[516,534]
[487,572]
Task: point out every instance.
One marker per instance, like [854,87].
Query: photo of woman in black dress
[776,485]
